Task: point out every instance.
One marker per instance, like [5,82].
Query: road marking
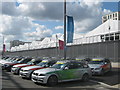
[115,86]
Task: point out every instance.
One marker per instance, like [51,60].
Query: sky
[29,21]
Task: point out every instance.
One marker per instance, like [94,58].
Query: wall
[109,49]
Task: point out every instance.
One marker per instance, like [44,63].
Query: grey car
[100,66]
[65,70]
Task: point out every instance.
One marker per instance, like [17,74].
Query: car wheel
[85,77]
[17,72]
[52,80]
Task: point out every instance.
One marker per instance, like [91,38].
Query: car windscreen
[58,66]
[17,59]
[42,64]
[96,62]
[31,62]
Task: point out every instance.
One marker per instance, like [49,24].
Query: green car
[65,70]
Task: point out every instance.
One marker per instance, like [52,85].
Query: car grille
[35,74]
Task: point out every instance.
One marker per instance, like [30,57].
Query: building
[17,43]
[113,16]
[106,32]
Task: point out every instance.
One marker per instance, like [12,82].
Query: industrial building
[103,41]
[107,31]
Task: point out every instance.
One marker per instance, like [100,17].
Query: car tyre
[52,81]
[85,77]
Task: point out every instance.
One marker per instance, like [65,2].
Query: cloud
[15,25]
[39,33]
[16,22]
[15,28]
[58,27]
[9,8]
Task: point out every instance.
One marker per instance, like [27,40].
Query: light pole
[3,47]
[64,29]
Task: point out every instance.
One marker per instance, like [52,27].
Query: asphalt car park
[14,81]
[105,82]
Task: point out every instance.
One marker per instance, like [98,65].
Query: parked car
[100,66]
[7,60]
[16,68]
[26,72]
[64,70]
[8,66]
[83,60]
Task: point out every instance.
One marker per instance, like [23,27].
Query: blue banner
[70,29]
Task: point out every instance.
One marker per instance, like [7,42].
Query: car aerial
[21,60]
[64,70]
[26,72]
[16,68]
[99,66]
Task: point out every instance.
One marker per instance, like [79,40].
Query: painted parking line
[114,86]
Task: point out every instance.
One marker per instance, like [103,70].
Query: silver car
[100,66]
[62,71]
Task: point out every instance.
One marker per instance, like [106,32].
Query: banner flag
[61,44]
[70,29]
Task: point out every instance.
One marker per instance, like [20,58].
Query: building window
[110,16]
[117,36]
[115,14]
[106,37]
[111,37]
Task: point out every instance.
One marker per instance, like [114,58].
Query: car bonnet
[19,65]
[30,67]
[45,70]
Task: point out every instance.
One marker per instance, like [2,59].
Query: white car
[16,68]
[26,72]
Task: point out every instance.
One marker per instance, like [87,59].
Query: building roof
[109,26]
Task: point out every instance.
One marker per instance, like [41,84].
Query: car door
[71,71]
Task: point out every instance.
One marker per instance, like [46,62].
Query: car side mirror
[105,62]
[66,68]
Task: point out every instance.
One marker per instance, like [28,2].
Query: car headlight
[42,75]
[7,65]
[27,71]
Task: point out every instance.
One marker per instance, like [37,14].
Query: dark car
[21,60]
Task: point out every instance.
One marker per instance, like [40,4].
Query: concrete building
[113,16]
[17,43]
[109,31]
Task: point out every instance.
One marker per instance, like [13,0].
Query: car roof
[98,59]
[67,61]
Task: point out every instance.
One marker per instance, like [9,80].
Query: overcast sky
[28,21]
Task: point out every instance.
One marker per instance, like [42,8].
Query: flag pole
[57,45]
[64,29]
[3,47]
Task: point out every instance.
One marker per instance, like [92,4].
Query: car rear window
[95,62]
